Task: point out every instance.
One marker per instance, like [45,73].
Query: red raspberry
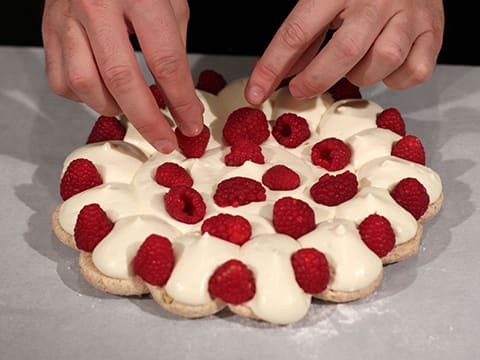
[106,128]
[237,191]
[377,233]
[154,260]
[332,190]
[331,154]
[80,175]
[311,270]
[233,228]
[344,89]
[391,119]
[244,150]
[158,96]
[293,217]
[193,146]
[185,204]
[211,81]
[170,174]
[232,282]
[290,130]
[246,123]
[280,177]
[410,194]
[91,227]
[409,148]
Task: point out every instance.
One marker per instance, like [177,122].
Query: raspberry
[293,217]
[170,174]
[409,148]
[233,228]
[344,89]
[280,177]
[154,260]
[80,175]
[246,123]
[332,154]
[244,150]
[158,96]
[193,146]
[185,204]
[377,233]
[237,191]
[232,282]
[332,190]
[391,119]
[106,128]
[290,130]
[311,270]
[410,194]
[211,81]
[91,227]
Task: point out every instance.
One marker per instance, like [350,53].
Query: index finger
[306,22]
[121,73]
[160,36]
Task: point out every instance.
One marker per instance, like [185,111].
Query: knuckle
[80,83]
[348,46]
[118,77]
[164,66]
[391,53]
[293,35]
[420,72]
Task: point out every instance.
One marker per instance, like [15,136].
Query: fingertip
[164,146]
[254,94]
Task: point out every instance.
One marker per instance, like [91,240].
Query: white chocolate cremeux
[134,202]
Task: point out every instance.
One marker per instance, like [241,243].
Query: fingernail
[191,129]
[255,94]
[164,146]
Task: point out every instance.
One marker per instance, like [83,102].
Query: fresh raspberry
[244,150]
[211,81]
[293,217]
[332,154]
[391,119]
[185,204]
[80,175]
[237,191]
[311,270]
[377,233]
[409,148]
[193,146]
[233,228]
[170,174]
[344,89]
[290,130]
[232,282]
[154,260]
[246,123]
[281,177]
[91,227]
[410,194]
[106,128]
[158,96]
[332,190]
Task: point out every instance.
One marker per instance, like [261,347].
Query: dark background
[240,28]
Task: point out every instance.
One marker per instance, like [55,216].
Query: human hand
[89,58]
[396,42]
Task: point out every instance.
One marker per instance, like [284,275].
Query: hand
[395,41]
[89,58]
